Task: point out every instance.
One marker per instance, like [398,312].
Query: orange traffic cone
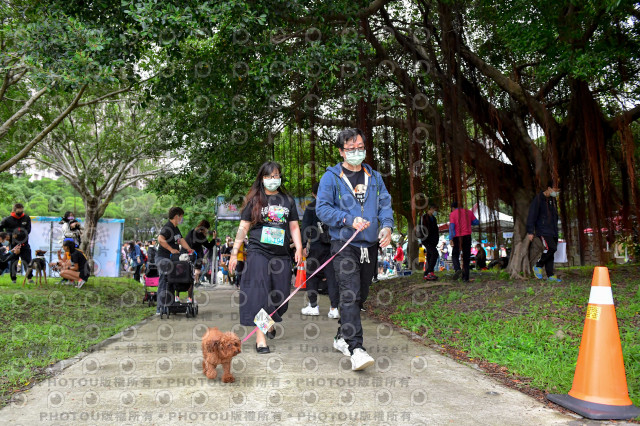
[599,388]
[301,276]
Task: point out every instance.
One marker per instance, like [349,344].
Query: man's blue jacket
[337,206]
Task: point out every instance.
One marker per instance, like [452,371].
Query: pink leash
[308,278]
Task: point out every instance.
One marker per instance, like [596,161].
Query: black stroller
[180,279]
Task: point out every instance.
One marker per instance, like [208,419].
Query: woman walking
[270,218]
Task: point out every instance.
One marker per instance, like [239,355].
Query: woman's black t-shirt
[78,258]
[270,235]
[198,241]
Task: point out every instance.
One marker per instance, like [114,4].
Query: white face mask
[355,157]
[553,194]
[180,221]
[271,184]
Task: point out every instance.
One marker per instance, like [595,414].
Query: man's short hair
[454,205]
[175,211]
[348,134]
[3,235]
[17,206]
[432,206]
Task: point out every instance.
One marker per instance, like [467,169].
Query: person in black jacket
[7,255]
[317,244]
[197,240]
[428,233]
[18,226]
[542,223]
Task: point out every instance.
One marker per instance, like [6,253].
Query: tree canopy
[459,100]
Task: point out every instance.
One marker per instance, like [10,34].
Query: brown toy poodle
[219,348]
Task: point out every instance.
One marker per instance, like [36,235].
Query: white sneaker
[333,313]
[360,359]
[309,310]
[177,299]
[341,346]
[80,283]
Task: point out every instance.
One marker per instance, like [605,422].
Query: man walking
[543,223]
[352,196]
[18,226]
[460,222]
[429,235]
[170,240]
[317,249]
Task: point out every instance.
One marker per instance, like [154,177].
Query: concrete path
[151,374]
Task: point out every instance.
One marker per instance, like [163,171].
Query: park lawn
[527,331]
[41,326]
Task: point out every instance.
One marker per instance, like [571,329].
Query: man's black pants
[550,245]
[354,275]
[25,255]
[431,254]
[463,243]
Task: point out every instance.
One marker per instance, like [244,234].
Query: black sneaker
[457,274]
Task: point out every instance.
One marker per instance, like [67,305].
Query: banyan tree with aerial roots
[459,100]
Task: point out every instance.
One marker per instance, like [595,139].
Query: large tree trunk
[413,258]
[93,212]
[519,262]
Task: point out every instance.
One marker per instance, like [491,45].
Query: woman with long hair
[270,218]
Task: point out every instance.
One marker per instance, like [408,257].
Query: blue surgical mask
[180,221]
[5,243]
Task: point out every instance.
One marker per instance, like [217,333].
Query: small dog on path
[39,265]
[219,348]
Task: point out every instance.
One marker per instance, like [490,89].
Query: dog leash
[302,285]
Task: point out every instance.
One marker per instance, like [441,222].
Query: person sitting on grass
[77,268]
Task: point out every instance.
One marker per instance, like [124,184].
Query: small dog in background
[39,265]
[219,348]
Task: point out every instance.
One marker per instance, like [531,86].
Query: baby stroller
[180,279]
[151,279]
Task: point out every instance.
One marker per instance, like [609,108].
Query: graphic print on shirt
[360,190]
[275,214]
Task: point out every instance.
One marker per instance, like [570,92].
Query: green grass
[531,327]
[41,326]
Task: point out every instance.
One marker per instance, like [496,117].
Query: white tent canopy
[489,217]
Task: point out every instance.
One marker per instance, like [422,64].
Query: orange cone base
[594,411]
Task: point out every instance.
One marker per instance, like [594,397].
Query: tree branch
[25,151]
[132,179]
[398,123]
[368,11]
[108,95]
[21,112]
[625,118]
